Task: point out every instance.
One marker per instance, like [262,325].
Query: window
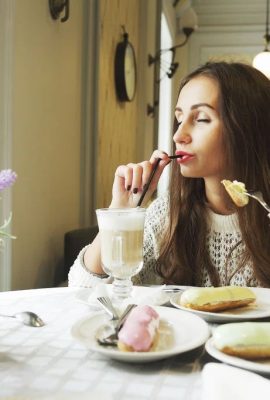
[165,100]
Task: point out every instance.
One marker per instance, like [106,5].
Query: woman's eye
[203,120]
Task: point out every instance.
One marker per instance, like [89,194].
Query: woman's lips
[184,157]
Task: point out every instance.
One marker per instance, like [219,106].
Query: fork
[112,339]
[106,303]
[258,196]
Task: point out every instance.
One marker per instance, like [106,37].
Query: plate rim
[146,356]
[224,317]
[234,361]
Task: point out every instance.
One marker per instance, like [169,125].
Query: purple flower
[7,178]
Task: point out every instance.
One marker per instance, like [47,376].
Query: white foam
[121,221]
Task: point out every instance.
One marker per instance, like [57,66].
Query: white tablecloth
[48,363]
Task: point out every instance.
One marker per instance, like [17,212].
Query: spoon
[27,318]
[172,289]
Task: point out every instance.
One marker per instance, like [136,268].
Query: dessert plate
[178,332]
[262,367]
[261,309]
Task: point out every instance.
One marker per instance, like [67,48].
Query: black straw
[146,187]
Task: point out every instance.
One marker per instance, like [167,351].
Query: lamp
[162,63]
[172,67]
[57,7]
[262,60]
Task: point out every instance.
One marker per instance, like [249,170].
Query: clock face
[130,71]
[125,70]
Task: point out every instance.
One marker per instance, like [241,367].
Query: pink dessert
[139,330]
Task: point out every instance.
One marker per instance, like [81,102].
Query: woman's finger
[160,160]
[137,172]
[147,170]
[132,179]
[121,178]
[159,154]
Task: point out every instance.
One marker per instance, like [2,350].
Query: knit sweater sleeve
[80,276]
[156,217]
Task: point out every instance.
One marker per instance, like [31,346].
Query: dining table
[49,363]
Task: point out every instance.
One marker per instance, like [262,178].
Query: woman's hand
[130,180]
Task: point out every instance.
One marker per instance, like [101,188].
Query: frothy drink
[121,235]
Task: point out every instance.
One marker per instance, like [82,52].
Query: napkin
[100,290]
[150,296]
[154,296]
[223,382]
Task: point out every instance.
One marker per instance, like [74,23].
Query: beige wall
[46,138]
[47,115]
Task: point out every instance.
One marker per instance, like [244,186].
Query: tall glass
[121,237]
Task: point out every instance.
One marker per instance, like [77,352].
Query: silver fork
[104,334]
[106,303]
[258,196]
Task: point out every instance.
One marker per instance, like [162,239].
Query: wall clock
[125,70]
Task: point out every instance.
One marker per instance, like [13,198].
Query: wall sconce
[171,69]
[262,60]
[161,63]
[57,7]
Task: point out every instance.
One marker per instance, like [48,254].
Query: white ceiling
[223,13]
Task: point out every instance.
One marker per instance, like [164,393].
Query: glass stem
[122,288]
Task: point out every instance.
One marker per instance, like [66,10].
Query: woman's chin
[188,173]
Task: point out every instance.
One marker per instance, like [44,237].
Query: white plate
[262,367]
[260,310]
[179,332]
[140,294]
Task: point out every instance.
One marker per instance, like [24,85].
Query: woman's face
[199,133]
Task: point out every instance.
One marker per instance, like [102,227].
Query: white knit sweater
[223,235]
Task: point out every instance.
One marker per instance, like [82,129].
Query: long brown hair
[244,107]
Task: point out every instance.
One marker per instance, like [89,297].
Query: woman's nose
[182,134]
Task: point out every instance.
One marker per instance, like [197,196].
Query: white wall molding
[89,115]
[230,12]
[231,28]
[149,37]
[7,8]
[169,12]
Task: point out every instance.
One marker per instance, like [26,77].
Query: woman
[195,235]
